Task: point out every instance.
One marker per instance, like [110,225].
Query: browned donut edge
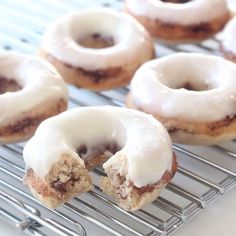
[68,177]
[181,33]
[23,127]
[99,79]
[130,197]
[197,133]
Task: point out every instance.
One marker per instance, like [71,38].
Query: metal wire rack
[204,173]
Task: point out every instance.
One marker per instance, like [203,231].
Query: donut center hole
[193,87]
[8,85]
[96,41]
[95,155]
[176,1]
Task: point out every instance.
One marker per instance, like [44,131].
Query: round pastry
[97,49]
[180,20]
[228,45]
[193,95]
[135,147]
[31,90]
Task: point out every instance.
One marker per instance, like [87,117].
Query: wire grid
[204,173]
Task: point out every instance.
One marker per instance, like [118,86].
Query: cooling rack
[204,173]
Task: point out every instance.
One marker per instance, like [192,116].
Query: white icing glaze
[40,83]
[144,140]
[229,36]
[190,13]
[153,87]
[131,39]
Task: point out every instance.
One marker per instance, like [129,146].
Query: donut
[135,148]
[31,90]
[193,95]
[180,20]
[228,39]
[97,49]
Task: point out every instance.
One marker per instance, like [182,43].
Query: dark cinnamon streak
[64,187]
[97,76]
[19,126]
[214,126]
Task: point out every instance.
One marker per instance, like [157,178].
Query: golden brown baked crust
[69,177]
[98,79]
[66,179]
[197,133]
[24,126]
[181,33]
[129,196]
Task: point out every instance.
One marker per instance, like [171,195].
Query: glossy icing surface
[161,86]
[131,40]
[143,140]
[39,81]
[229,36]
[192,12]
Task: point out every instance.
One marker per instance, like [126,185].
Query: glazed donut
[97,49]
[228,39]
[193,95]
[65,147]
[180,20]
[30,91]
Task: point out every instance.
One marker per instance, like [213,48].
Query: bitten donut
[193,95]
[180,20]
[65,147]
[228,44]
[31,90]
[97,49]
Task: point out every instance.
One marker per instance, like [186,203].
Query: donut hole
[8,85]
[95,155]
[96,41]
[176,1]
[194,86]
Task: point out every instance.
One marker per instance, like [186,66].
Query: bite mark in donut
[134,174]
